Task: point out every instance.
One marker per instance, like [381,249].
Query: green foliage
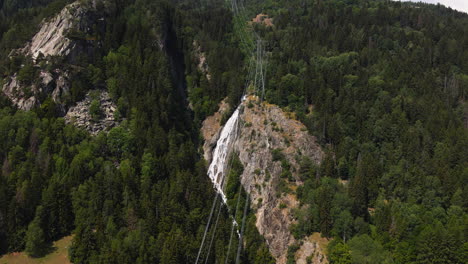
[339,252]
[394,133]
[343,225]
[138,193]
[435,244]
[292,249]
[381,84]
[256,248]
[27,73]
[366,250]
[277,155]
[120,140]
[75,35]
[35,242]
[95,110]
[233,178]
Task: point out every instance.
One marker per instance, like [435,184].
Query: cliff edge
[270,144]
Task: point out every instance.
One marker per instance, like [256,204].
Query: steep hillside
[357,151]
[67,37]
[271,145]
[382,85]
[139,192]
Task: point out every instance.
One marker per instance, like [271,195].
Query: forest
[381,84]
[138,193]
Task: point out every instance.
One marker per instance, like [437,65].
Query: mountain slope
[360,139]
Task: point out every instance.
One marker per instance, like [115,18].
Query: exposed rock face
[202,63]
[53,37]
[312,248]
[80,115]
[266,128]
[27,97]
[18,96]
[212,129]
[67,35]
[51,40]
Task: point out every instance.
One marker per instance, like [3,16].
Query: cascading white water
[218,167]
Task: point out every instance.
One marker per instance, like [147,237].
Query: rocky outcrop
[19,96]
[81,116]
[68,35]
[27,97]
[267,129]
[312,250]
[201,58]
[51,39]
[211,130]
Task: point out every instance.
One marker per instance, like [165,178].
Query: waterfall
[218,168]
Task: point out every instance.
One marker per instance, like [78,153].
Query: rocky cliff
[54,83]
[211,130]
[271,144]
[67,36]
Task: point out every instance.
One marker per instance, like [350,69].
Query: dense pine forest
[381,84]
[139,193]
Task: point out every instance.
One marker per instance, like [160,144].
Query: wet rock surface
[266,128]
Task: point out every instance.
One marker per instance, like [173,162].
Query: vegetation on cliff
[381,84]
[140,193]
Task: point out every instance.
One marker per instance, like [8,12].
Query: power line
[257,59]
[207,227]
[214,233]
[239,247]
[233,225]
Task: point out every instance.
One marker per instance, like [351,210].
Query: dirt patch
[59,255]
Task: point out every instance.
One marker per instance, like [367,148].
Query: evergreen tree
[35,242]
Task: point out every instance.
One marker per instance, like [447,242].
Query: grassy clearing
[59,255]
